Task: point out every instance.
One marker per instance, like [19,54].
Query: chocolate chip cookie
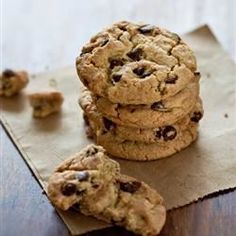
[12,82]
[103,126]
[161,113]
[45,103]
[136,64]
[91,182]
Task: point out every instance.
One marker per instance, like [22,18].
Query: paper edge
[206,196]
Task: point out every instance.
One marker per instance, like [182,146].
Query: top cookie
[136,64]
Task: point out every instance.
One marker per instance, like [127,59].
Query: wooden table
[42,35]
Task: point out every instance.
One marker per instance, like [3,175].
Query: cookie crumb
[45,103]
[12,82]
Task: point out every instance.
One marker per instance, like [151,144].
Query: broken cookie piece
[45,103]
[91,183]
[12,82]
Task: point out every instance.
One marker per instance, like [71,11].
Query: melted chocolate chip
[116,77]
[197,116]
[171,79]
[135,54]
[68,189]
[91,151]
[8,73]
[83,176]
[158,106]
[169,133]
[108,124]
[115,62]
[146,29]
[130,187]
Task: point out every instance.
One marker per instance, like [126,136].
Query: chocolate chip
[171,79]
[197,75]
[116,77]
[8,73]
[85,117]
[115,62]
[141,72]
[85,82]
[135,54]
[38,108]
[158,106]
[130,187]
[87,49]
[145,29]
[158,133]
[104,42]
[91,151]
[76,206]
[95,185]
[176,37]
[122,27]
[108,124]
[169,133]
[83,176]
[197,116]
[68,189]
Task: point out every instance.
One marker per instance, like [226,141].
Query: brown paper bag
[207,166]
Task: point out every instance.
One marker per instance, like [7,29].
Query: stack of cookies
[141,99]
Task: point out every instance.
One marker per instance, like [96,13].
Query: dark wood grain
[25,210]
